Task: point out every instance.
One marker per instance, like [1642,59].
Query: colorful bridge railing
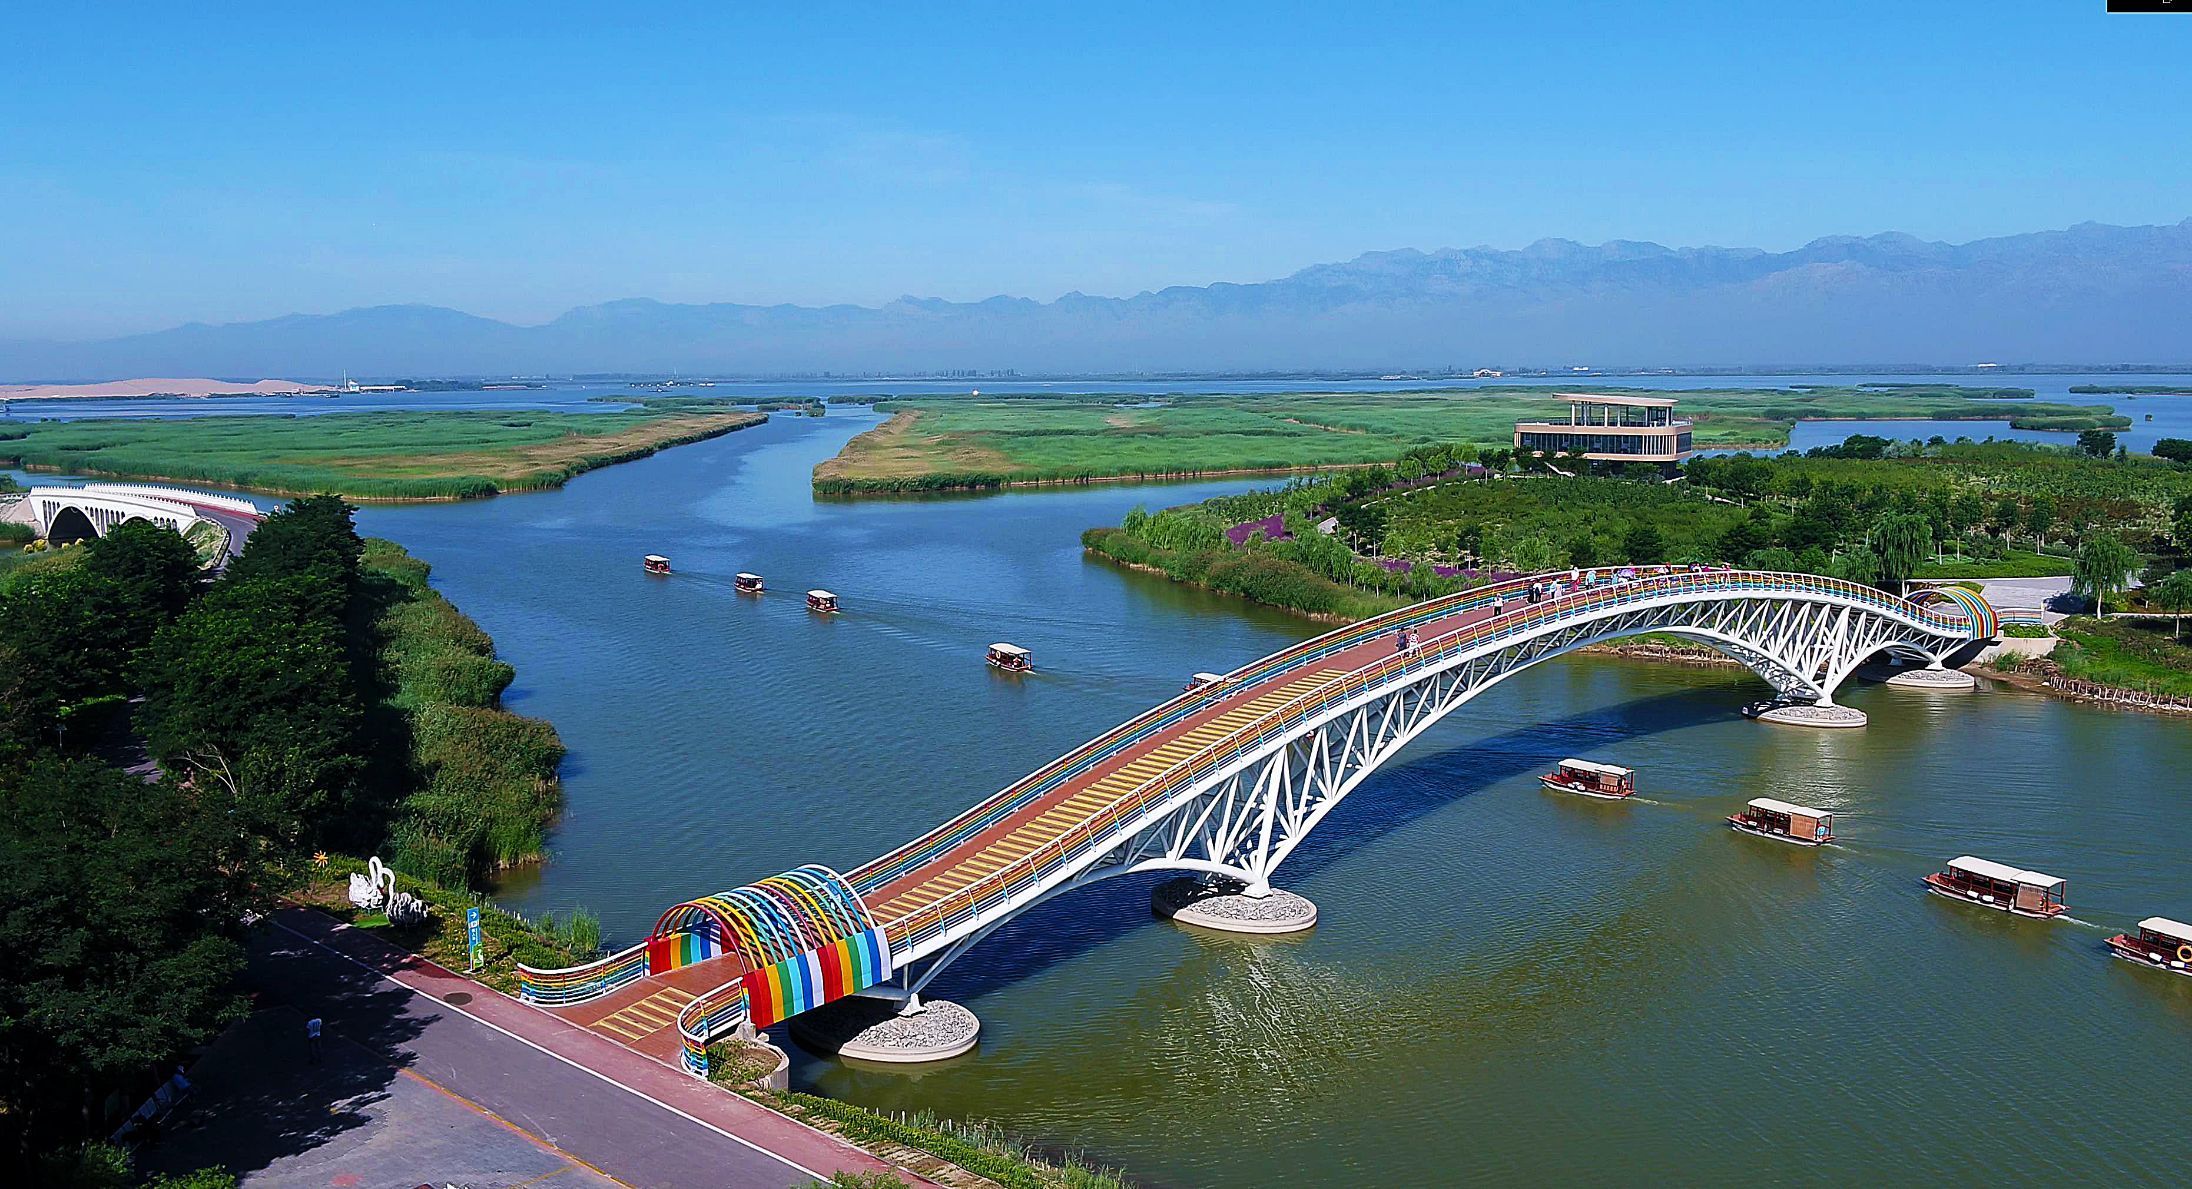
[577,984]
[1096,830]
[706,1018]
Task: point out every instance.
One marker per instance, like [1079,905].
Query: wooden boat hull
[1977,900]
[2121,947]
[1012,668]
[1572,790]
[1743,827]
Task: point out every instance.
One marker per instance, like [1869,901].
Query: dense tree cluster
[121,900]
[304,700]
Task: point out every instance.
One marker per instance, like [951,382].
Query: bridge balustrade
[567,985]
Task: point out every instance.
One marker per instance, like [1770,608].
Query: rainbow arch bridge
[1225,780]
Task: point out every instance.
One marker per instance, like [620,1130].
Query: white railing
[227,503]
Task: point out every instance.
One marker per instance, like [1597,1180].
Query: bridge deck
[1075,799]
[643,1015]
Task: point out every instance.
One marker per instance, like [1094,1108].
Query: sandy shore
[156,387]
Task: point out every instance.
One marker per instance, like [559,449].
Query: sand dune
[156,387]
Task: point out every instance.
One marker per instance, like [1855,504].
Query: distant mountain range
[2091,293]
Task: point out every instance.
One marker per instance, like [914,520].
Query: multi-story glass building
[1610,429]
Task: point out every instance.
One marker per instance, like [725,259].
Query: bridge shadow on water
[1403,792]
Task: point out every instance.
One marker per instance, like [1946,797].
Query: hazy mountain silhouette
[2091,293]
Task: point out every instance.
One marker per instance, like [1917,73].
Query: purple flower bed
[1273,528]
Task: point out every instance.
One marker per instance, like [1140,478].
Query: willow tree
[2104,567]
[2174,594]
[1901,542]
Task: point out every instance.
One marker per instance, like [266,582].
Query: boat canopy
[2168,928]
[743,575]
[1601,769]
[658,557]
[820,594]
[1789,807]
[2001,871]
[1009,649]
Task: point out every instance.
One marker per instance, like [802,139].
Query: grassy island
[366,456]
[976,443]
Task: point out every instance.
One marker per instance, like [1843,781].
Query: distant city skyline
[161,166]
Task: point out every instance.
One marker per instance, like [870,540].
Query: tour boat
[2161,943]
[1200,680]
[746,583]
[1586,779]
[655,563]
[1011,658]
[1999,886]
[822,601]
[1785,822]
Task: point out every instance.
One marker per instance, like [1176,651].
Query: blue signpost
[472,933]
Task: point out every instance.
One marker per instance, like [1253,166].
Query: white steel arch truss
[1244,818]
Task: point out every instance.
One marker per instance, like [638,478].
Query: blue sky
[158,164]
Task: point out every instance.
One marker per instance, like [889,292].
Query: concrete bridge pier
[1822,713]
[1231,906]
[900,1029]
[1934,676]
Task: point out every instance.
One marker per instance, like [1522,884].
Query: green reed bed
[372,456]
[484,788]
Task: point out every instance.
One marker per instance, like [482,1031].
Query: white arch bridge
[78,511]
[1228,779]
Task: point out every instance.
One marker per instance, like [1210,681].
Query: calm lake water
[1504,983]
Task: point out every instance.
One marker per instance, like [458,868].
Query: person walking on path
[312,1041]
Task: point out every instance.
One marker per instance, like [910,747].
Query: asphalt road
[385,1041]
